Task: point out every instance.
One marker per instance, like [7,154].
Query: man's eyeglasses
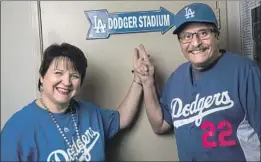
[202,34]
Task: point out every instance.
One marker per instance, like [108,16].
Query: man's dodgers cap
[196,12]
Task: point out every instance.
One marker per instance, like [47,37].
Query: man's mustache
[200,48]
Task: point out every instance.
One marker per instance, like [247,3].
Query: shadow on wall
[90,89]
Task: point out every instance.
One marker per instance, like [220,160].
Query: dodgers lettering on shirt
[199,108]
[80,148]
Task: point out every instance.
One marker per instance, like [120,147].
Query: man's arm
[154,110]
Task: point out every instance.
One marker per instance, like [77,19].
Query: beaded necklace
[58,126]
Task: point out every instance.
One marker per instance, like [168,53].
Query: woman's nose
[67,80]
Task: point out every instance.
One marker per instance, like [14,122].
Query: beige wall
[19,56]
[110,62]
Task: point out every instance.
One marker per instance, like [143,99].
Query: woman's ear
[41,79]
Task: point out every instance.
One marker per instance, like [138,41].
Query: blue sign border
[103,16]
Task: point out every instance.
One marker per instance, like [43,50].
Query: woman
[56,127]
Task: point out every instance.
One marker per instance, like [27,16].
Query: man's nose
[196,41]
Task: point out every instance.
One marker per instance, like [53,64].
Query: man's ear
[217,34]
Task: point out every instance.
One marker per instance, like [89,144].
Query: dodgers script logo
[81,148]
[189,13]
[199,108]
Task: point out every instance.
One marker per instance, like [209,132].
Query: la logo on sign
[189,13]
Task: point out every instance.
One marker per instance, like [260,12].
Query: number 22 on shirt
[224,130]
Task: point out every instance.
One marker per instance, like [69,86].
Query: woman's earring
[41,88]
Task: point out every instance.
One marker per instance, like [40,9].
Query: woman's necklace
[58,126]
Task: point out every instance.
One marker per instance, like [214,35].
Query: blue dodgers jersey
[216,117]
[31,135]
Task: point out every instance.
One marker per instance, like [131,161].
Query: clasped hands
[142,68]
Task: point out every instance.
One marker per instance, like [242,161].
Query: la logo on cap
[189,13]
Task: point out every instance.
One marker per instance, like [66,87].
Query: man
[213,100]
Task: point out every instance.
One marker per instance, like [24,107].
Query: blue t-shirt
[31,135]
[217,116]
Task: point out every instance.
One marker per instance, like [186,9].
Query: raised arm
[145,72]
[129,106]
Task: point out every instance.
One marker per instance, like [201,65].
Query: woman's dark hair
[68,51]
